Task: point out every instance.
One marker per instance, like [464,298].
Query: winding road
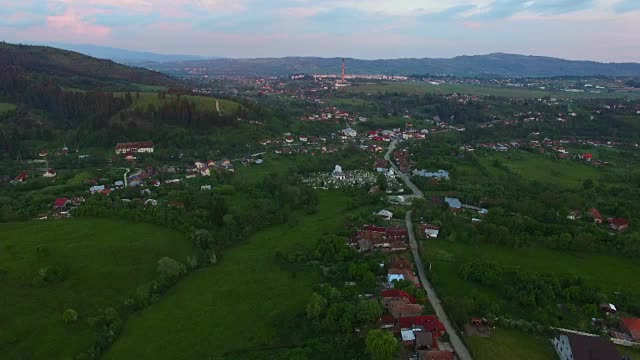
[459,346]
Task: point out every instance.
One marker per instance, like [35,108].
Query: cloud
[627,6]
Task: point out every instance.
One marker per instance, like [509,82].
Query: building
[454,204]
[595,214]
[50,173]
[385,214]
[135,147]
[570,346]
[61,203]
[619,224]
[337,173]
[350,132]
[400,309]
[431,231]
[632,326]
[438,175]
[391,295]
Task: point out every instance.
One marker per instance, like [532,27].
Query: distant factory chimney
[343,70]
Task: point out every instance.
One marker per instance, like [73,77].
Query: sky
[601,30]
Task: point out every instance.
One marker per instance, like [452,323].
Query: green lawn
[6,107]
[236,304]
[106,261]
[568,173]
[424,88]
[511,345]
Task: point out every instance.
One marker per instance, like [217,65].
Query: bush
[69,316]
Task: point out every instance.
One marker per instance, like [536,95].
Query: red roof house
[619,224]
[632,326]
[394,294]
[427,323]
[60,203]
[595,214]
[587,157]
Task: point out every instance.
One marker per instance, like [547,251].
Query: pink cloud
[71,24]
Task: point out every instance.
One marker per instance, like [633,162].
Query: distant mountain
[498,64]
[72,69]
[123,56]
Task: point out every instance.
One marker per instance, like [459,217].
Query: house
[349,132]
[426,323]
[303,138]
[587,157]
[632,326]
[61,203]
[408,338]
[454,204]
[385,214]
[96,189]
[289,139]
[431,231]
[50,173]
[22,177]
[424,340]
[595,214]
[394,277]
[438,175]
[151,202]
[205,188]
[135,147]
[574,215]
[119,184]
[619,224]
[400,309]
[402,274]
[571,346]
[391,295]
[608,308]
[380,165]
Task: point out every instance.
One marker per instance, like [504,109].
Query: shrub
[69,316]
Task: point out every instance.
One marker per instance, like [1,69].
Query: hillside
[507,65]
[73,69]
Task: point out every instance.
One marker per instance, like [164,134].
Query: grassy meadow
[236,305]
[105,261]
[6,107]
[511,345]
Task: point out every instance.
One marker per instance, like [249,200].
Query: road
[459,347]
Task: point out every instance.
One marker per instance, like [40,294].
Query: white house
[431,231]
[96,189]
[50,173]
[385,214]
[135,147]
[205,188]
[349,132]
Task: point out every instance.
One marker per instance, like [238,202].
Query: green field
[106,261]
[631,352]
[203,103]
[543,168]
[511,345]
[235,305]
[609,272]
[6,107]
[425,88]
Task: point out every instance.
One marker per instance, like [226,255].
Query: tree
[316,306]
[171,269]
[587,184]
[382,345]
[381,181]
[368,311]
[69,316]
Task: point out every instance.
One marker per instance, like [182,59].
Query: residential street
[459,347]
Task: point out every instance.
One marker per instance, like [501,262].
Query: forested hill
[72,69]
[506,65]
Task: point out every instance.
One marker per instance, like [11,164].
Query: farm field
[609,272]
[543,168]
[425,88]
[511,345]
[6,107]
[105,260]
[235,305]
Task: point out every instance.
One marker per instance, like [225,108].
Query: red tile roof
[429,322]
[397,293]
[633,326]
[595,213]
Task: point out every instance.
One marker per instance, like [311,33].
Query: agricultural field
[103,262]
[559,172]
[511,345]
[425,88]
[236,305]
[6,107]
